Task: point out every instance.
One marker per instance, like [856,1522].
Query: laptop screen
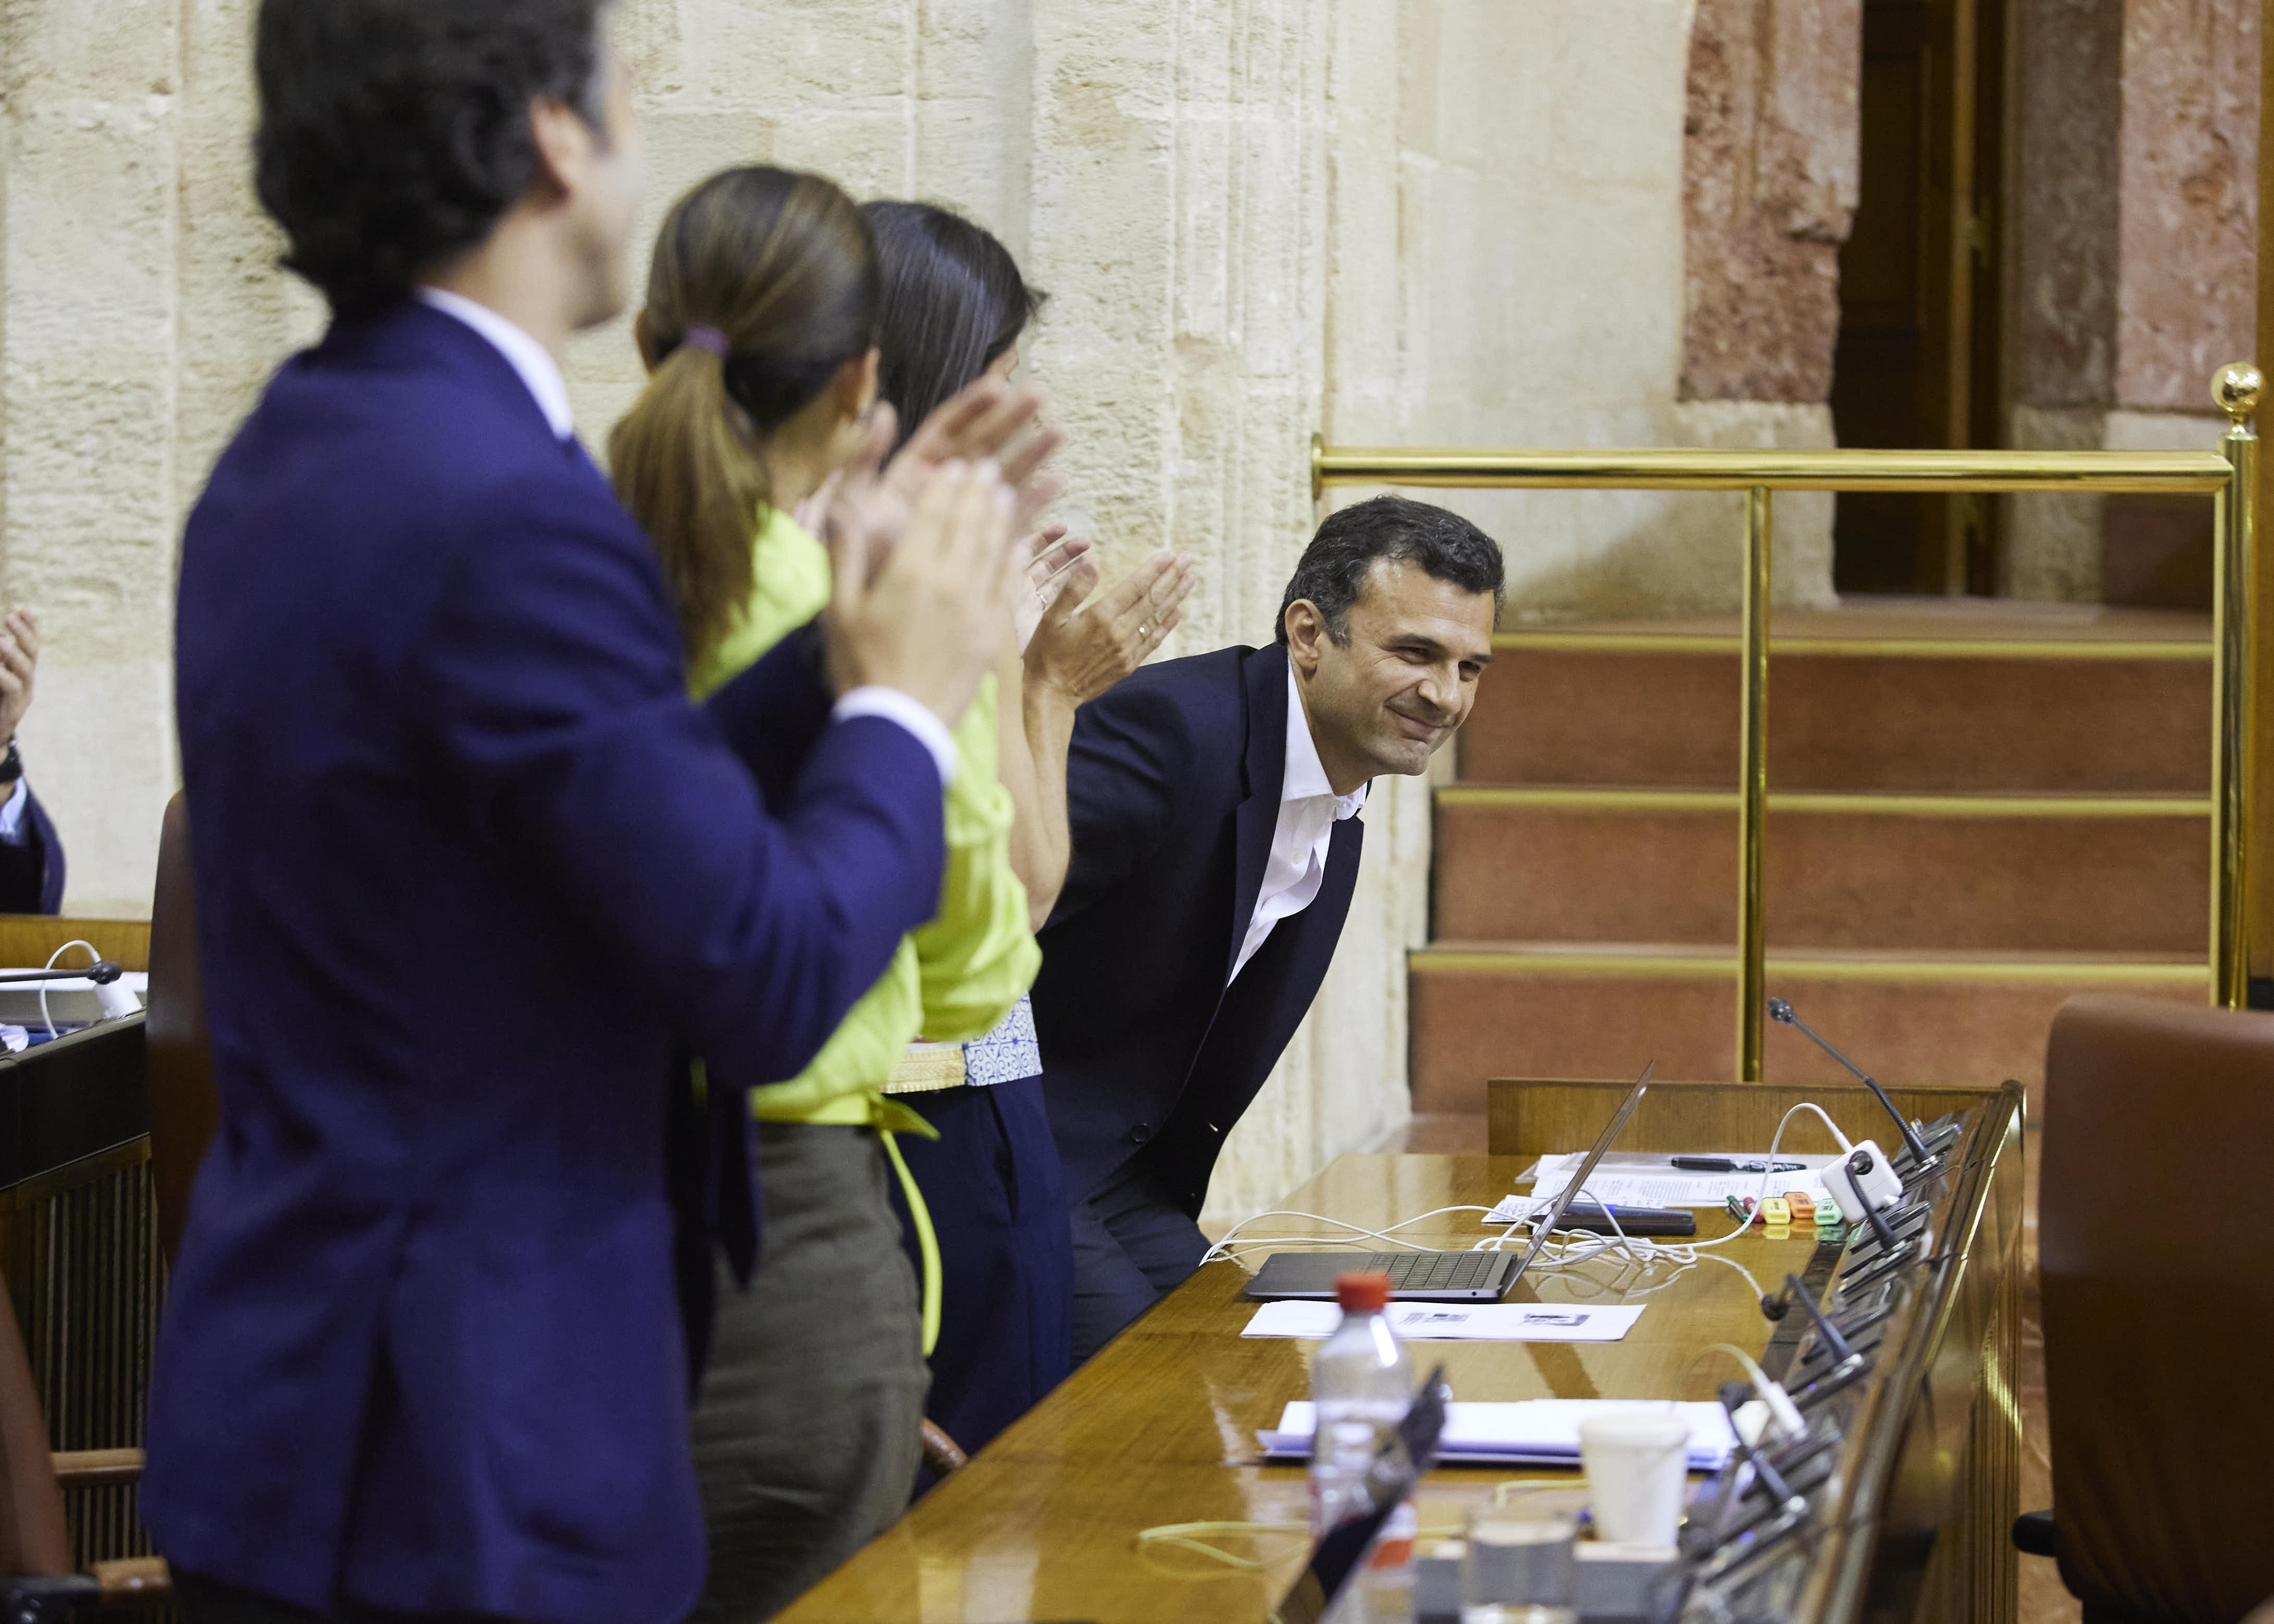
[1544,1225]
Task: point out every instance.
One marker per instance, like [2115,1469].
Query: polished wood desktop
[1160,1428]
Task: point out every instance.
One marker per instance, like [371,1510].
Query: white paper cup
[1637,1464]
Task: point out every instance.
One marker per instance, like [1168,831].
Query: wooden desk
[1160,1427]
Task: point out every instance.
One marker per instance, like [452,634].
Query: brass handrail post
[2234,574]
[1753,770]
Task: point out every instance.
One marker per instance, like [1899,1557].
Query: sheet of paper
[1637,1180]
[1483,1322]
[1541,1432]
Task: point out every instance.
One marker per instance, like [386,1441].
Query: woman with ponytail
[955,307]
[760,328]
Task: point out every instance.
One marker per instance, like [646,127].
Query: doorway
[1916,363]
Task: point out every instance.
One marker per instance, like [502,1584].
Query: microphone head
[1774,1307]
[1779,1011]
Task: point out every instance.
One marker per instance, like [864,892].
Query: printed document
[1480,1322]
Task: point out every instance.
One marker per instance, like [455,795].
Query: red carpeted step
[1858,701]
[1551,866]
[1537,1010]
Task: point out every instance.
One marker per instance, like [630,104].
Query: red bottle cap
[1362,1294]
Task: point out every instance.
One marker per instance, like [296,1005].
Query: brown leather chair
[36,1578]
[183,1109]
[2158,1307]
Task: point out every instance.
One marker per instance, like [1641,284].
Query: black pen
[1723,1164]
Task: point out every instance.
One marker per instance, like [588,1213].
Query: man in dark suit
[31,851]
[1214,803]
[470,866]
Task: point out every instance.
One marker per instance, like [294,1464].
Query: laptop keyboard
[1435,1271]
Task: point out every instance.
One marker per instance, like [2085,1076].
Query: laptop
[1403,1460]
[1437,1277]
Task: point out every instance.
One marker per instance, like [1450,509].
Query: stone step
[1951,874]
[1529,1009]
[1925,700]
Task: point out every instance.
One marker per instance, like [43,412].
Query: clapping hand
[1061,564]
[1079,649]
[19,658]
[987,419]
[856,506]
[921,590]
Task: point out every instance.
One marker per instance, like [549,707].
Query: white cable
[1645,1253]
[1768,1163]
[93,956]
[1226,1248]
[1557,1255]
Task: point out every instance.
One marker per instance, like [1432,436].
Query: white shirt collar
[1306,776]
[538,371]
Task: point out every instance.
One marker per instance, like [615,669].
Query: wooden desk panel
[1160,1427]
[1528,1116]
[29,940]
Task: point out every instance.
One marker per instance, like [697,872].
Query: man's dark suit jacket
[1172,790]
[32,868]
[470,866]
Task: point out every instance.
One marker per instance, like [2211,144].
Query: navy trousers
[997,1202]
[1133,1245]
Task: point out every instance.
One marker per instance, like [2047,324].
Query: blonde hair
[781,269]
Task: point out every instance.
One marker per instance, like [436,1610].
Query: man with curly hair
[470,868]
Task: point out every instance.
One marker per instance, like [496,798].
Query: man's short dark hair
[394,133]
[1332,571]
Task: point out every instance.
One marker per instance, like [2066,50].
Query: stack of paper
[1480,1322]
[1541,1431]
[1637,1180]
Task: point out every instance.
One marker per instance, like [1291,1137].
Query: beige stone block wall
[1404,220]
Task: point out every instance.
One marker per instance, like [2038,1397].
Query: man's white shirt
[1308,811]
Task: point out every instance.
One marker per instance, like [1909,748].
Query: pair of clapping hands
[933,564]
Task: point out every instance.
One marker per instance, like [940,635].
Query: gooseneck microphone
[102,973]
[116,1000]
[1777,1306]
[1732,1395]
[1781,1012]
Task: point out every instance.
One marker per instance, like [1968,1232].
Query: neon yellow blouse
[953,978]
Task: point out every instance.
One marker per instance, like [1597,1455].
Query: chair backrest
[2159,1305]
[33,1540]
[183,1108]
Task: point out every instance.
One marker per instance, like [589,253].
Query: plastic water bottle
[1361,1386]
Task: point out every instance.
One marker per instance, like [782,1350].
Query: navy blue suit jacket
[32,868]
[1172,790]
[470,868]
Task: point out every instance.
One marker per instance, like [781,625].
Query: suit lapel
[1257,818]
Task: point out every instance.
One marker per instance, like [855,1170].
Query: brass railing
[2228,475]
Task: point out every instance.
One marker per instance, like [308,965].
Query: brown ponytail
[783,266]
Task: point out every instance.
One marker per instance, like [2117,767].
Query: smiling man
[1214,803]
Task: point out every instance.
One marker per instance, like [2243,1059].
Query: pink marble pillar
[1769,178]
